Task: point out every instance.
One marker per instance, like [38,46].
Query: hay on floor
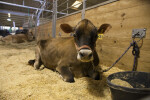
[19,81]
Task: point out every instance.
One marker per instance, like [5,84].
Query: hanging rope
[118,59]
[135,52]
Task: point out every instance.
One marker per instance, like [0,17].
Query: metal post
[23,3]
[83,10]
[14,26]
[54,18]
[67,6]
[39,13]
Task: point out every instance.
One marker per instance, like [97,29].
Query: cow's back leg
[38,61]
[66,73]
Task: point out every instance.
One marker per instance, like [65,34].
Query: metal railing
[57,12]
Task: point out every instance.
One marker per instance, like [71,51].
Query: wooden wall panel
[108,55]
[123,15]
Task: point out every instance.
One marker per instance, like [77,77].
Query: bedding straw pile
[19,81]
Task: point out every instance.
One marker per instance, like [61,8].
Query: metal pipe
[14,25]
[97,5]
[17,5]
[67,6]
[23,2]
[14,13]
[62,3]
[49,17]
[83,10]
[39,13]
[54,18]
[38,0]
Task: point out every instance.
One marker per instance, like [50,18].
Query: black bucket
[140,81]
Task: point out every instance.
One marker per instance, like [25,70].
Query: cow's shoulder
[44,43]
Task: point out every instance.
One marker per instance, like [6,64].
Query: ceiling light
[76,4]
[8,19]
[8,14]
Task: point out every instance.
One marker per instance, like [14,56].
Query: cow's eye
[96,36]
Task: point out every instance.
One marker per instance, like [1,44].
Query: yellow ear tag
[100,36]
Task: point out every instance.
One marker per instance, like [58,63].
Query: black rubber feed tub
[140,81]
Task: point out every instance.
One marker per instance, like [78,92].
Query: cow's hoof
[36,68]
[31,62]
[96,76]
[71,80]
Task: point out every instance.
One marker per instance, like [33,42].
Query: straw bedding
[19,81]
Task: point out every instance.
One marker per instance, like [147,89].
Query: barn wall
[123,15]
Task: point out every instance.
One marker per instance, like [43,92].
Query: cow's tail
[31,62]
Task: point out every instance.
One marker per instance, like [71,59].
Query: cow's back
[7,39]
[56,51]
[19,38]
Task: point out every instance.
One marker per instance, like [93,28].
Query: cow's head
[30,35]
[85,36]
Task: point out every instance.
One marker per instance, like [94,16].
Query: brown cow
[18,38]
[73,55]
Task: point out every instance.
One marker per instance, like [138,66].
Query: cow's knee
[38,61]
[66,74]
[37,65]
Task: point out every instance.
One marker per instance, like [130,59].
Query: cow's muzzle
[85,54]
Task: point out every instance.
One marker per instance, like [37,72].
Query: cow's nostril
[90,55]
[81,54]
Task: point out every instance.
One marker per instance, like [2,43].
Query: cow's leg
[31,62]
[38,61]
[66,73]
[96,75]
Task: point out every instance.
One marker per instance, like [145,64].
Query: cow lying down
[18,38]
[73,55]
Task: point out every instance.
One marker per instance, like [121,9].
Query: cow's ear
[104,28]
[66,28]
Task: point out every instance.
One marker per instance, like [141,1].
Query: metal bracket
[138,33]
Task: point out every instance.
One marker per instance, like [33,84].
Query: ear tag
[100,35]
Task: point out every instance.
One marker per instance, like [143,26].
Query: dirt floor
[19,81]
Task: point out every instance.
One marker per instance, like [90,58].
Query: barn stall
[20,81]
